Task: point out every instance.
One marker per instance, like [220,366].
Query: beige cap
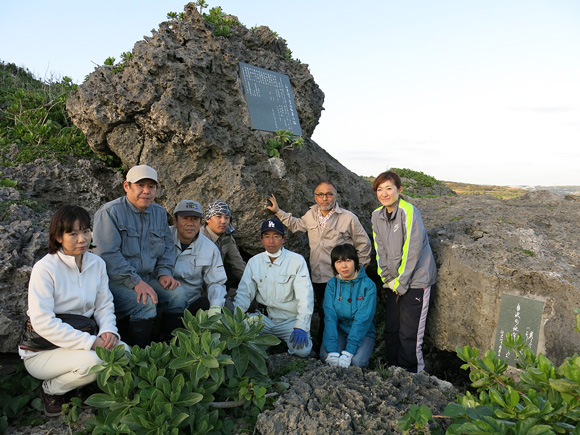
[140,172]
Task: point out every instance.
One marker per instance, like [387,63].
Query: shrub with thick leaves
[545,400]
[169,387]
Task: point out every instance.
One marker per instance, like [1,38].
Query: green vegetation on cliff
[33,118]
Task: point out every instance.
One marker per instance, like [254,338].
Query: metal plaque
[270,99]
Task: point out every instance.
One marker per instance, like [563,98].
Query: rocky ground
[323,400]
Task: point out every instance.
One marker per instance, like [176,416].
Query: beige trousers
[62,370]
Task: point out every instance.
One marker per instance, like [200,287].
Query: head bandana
[219,207]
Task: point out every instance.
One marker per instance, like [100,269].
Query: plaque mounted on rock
[518,315]
[270,99]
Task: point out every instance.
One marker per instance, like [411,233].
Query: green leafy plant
[19,401]
[125,59]
[220,21]
[34,122]
[172,387]
[201,4]
[545,399]
[283,140]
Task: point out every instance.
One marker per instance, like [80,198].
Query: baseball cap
[273,225]
[187,207]
[140,172]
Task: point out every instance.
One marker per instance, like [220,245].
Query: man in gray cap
[132,236]
[218,228]
[199,265]
[279,280]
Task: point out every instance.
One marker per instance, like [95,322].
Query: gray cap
[187,207]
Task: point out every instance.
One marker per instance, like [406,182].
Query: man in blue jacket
[132,236]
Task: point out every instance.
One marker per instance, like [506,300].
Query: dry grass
[503,192]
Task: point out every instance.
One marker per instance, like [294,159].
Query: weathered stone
[179,107]
[486,247]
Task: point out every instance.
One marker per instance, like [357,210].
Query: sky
[484,92]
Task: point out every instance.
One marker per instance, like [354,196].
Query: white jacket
[56,287]
[199,269]
[283,286]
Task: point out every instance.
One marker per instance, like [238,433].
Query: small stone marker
[518,315]
[270,99]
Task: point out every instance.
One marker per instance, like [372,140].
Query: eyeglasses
[272,237]
[322,195]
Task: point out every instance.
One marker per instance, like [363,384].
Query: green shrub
[545,399]
[19,401]
[172,387]
[283,140]
[221,22]
[33,117]
[420,177]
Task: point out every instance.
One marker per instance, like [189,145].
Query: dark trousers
[201,303]
[319,289]
[405,320]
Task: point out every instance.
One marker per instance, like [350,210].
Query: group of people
[140,270]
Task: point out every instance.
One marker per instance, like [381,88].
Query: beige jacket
[342,227]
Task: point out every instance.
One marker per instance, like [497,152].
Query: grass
[502,192]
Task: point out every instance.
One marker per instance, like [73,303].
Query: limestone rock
[486,247]
[179,107]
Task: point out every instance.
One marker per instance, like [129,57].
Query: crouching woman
[350,302]
[68,289]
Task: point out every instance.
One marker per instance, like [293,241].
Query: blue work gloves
[299,338]
[332,359]
[344,359]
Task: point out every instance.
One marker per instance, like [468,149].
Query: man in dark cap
[278,279]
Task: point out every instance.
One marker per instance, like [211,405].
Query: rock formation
[486,247]
[179,107]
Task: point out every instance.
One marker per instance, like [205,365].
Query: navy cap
[273,225]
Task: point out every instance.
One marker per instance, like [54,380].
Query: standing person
[278,279]
[350,302]
[218,228]
[407,269]
[69,280]
[327,225]
[132,236]
[199,266]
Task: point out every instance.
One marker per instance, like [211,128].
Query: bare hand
[168,282]
[143,290]
[274,207]
[108,340]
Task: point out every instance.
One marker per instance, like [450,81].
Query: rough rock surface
[43,186]
[323,400]
[332,400]
[179,107]
[486,247]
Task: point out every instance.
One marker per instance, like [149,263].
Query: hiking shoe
[52,403]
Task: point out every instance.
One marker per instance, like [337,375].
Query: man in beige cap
[132,236]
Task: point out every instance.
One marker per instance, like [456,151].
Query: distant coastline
[560,190]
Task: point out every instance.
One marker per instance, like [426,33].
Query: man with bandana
[218,228]
[278,279]
[327,225]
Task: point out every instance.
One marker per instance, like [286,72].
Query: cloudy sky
[472,91]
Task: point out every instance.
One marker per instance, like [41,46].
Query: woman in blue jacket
[350,302]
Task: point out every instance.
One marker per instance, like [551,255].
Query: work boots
[139,332]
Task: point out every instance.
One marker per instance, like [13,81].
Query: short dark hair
[386,176]
[63,221]
[344,252]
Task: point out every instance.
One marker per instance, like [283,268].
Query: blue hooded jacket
[349,307]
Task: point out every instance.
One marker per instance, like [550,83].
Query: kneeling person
[199,265]
[279,280]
